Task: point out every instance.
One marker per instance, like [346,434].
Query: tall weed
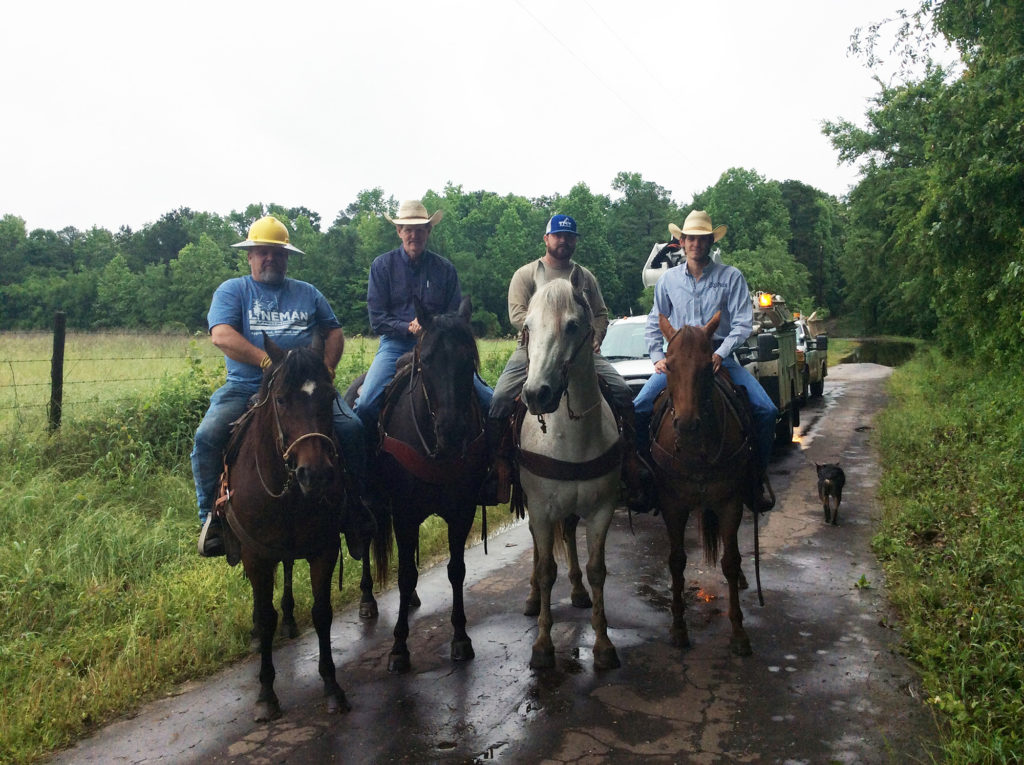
[952,542]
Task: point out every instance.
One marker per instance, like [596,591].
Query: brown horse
[702,455]
[434,456]
[285,502]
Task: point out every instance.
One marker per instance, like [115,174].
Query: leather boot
[637,473]
[497,484]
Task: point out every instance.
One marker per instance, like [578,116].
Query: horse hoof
[267,711]
[337,703]
[289,630]
[741,646]
[462,650]
[532,607]
[542,659]
[581,600]
[741,582]
[414,600]
[368,610]
[606,658]
[399,663]
[680,639]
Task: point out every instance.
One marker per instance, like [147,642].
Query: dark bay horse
[433,457]
[702,456]
[287,492]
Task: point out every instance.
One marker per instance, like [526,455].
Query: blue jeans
[382,371]
[227,404]
[764,409]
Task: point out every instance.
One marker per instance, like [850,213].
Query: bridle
[417,372]
[285,453]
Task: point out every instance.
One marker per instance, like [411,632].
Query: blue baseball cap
[561,224]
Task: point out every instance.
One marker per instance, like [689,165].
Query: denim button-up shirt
[394,280]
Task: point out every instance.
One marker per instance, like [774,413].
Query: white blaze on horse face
[308,387]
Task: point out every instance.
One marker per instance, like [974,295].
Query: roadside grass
[104,603]
[952,544]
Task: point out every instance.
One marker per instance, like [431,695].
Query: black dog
[830,489]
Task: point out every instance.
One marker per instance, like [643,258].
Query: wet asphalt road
[824,684]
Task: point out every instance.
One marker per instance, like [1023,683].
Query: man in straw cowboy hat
[560,237]
[395,277]
[691,293]
[290,312]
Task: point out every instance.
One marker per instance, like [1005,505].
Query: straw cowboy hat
[411,212]
[697,223]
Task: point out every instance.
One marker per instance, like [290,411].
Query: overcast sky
[117,112]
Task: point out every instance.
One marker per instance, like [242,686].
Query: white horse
[569,453]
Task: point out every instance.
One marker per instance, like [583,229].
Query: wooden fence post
[57,370]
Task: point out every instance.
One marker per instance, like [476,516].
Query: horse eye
[572,325]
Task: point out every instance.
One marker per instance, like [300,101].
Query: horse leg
[407,535]
[261,577]
[288,626]
[597,533]
[367,603]
[458,531]
[532,607]
[675,522]
[321,573]
[729,523]
[544,572]
[580,597]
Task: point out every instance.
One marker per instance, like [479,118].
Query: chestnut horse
[569,454]
[286,496]
[702,455]
[434,455]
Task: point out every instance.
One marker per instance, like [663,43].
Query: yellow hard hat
[268,231]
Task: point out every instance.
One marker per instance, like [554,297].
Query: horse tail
[709,532]
[382,543]
[559,547]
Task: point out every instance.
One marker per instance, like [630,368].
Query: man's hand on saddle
[716,362]
[661,366]
[414,327]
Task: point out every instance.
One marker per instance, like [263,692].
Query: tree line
[786,236]
[935,235]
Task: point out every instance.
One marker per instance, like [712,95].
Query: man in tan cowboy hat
[691,293]
[243,311]
[395,277]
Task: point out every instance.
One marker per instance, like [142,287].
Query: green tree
[194,275]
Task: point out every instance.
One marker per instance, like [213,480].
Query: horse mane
[560,296]
[298,366]
[459,329]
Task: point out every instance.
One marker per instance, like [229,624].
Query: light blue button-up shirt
[688,301]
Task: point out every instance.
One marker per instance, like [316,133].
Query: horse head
[446,360]
[559,336]
[299,394]
[690,372]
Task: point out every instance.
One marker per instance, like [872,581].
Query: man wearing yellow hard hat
[290,312]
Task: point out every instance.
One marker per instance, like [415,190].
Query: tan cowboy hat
[411,212]
[697,223]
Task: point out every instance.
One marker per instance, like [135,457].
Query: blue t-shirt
[289,313]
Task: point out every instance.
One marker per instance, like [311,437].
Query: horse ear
[423,315]
[666,329]
[466,308]
[711,326]
[576,280]
[272,349]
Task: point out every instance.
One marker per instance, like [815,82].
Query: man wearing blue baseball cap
[560,238]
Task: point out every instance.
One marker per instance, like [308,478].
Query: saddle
[427,468]
[736,400]
[553,468]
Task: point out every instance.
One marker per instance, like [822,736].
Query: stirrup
[211,543]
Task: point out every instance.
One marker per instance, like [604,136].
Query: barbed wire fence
[27,394]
